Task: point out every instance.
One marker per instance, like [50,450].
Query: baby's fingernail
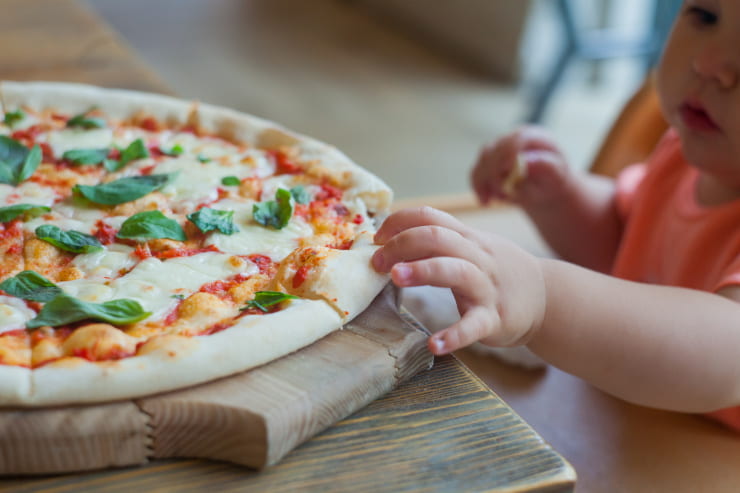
[378,259]
[401,273]
[439,344]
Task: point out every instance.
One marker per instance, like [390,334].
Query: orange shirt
[669,238]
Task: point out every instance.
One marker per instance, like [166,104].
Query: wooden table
[443,430]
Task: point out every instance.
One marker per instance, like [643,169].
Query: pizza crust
[255,340]
[340,289]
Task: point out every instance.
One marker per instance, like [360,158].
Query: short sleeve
[730,276]
[627,183]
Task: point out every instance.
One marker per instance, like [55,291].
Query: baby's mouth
[695,117]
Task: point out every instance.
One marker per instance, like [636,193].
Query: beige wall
[485,34]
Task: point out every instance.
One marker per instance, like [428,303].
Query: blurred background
[410,89]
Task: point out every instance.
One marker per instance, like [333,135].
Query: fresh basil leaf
[30,285]
[70,241]
[231,181]
[13,117]
[17,162]
[86,122]
[175,150]
[207,219]
[274,213]
[112,165]
[151,224]
[135,150]
[6,173]
[300,195]
[86,156]
[28,211]
[65,309]
[264,299]
[124,189]
[32,161]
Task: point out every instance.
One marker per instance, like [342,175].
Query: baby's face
[699,85]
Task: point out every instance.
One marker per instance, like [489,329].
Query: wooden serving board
[252,419]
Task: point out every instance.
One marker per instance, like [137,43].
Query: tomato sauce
[105,233]
[184,252]
[263,263]
[300,275]
[283,164]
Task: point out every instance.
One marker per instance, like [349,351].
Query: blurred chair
[601,44]
[634,134]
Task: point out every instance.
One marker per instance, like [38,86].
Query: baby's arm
[575,213]
[659,346]
[665,347]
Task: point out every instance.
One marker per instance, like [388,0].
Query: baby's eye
[701,16]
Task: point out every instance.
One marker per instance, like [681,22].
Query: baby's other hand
[498,287]
[525,167]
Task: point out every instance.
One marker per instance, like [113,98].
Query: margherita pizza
[148,243]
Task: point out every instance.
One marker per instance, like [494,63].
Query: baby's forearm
[583,227]
[664,347]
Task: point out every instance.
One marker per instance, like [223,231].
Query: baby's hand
[525,167]
[499,288]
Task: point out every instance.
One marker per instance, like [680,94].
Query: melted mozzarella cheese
[27,192]
[255,238]
[67,139]
[14,314]
[105,264]
[84,223]
[197,182]
[154,282]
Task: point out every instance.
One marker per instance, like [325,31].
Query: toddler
[644,301]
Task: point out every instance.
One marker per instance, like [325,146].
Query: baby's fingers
[476,324]
[466,280]
[425,242]
[414,217]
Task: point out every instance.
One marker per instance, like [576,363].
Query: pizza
[149,243]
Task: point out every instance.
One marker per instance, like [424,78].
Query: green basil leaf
[123,190]
[175,150]
[6,173]
[300,195]
[135,150]
[151,224]
[274,213]
[207,219]
[231,181]
[86,122]
[32,161]
[70,241]
[112,165]
[30,285]
[65,309]
[13,117]
[86,156]
[28,211]
[17,162]
[264,299]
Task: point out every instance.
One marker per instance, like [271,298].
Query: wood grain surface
[442,430]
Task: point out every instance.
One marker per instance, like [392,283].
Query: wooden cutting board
[253,418]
